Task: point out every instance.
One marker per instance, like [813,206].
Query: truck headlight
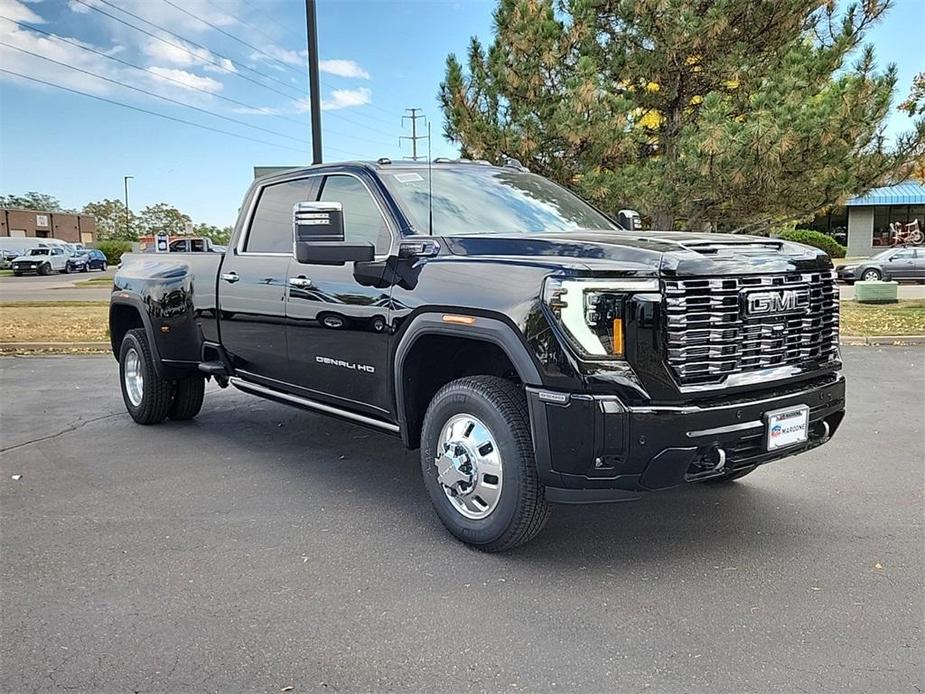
[590,312]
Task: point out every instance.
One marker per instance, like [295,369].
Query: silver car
[906,263]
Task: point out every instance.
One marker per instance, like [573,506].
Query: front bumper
[594,448]
[847,275]
[25,267]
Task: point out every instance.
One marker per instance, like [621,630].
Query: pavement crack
[73,426]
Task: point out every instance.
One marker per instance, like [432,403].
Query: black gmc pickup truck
[533,350]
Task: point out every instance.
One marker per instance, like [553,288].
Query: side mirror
[318,236]
[629,220]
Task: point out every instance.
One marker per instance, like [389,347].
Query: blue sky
[378,58]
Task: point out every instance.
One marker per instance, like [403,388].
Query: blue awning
[908,193]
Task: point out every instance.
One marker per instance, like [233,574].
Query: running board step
[213,368]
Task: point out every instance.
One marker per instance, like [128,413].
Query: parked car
[534,350]
[42,261]
[6,258]
[907,263]
[86,260]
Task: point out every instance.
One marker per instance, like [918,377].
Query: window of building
[363,222]
[271,227]
[888,217]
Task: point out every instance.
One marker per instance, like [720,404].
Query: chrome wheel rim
[133,378]
[870,276]
[469,466]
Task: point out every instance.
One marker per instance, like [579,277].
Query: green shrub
[113,250]
[815,239]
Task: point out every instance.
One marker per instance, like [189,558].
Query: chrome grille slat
[708,337]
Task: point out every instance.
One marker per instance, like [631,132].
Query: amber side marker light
[617,336]
[460,320]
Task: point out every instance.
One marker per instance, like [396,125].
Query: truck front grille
[721,326]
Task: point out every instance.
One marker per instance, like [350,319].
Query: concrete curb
[43,346]
[883,340]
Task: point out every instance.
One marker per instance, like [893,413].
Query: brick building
[65,226]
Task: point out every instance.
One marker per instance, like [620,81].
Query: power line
[146,70]
[258,30]
[148,93]
[234,38]
[150,113]
[170,79]
[216,63]
[213,62]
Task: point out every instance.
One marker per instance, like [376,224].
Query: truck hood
[650,253]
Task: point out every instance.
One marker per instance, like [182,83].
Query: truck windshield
[39,251]
[474,199]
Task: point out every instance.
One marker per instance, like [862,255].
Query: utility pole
[314,88]
[125,184]
[415,114]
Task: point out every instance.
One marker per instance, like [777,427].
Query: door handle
[302,282]
[230,277]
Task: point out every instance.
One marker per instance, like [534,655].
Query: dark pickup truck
[533,350]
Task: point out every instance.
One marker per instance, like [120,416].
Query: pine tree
[727,113]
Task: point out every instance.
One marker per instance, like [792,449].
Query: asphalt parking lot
[259,548]
[55,287]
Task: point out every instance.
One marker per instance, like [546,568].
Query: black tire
[44,269]
[521,510]
[86,268]
[16,273]
[873,274]
[731,476]
[104,267]
[157,392]
[187,397]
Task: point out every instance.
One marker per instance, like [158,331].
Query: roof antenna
[430,186]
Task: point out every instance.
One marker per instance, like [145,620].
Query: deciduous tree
[112,220]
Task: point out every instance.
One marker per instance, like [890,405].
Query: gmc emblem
[776,301]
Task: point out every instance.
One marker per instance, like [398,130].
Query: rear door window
[271,226]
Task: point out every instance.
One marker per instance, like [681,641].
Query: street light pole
[125,183]
[314,89]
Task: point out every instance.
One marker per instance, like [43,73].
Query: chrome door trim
[255,389]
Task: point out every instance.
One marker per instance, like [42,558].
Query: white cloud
[339,99]
[182,54]
[284,55]
[343,68]
[346,98]
[18,12]
[187,79]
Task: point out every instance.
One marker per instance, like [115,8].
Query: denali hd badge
[766,303]
[353,366]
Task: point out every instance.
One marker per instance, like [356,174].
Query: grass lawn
[54,321]
[95,282]
[6,273]
[903,318]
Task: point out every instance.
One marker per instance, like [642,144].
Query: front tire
[872,275]
[147,396]
[478,465]
[44,269]
[187,398]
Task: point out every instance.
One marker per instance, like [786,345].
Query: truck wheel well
[122,318]
[435,360]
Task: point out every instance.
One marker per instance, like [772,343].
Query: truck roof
[384,163]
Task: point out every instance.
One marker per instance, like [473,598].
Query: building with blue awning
[863,223]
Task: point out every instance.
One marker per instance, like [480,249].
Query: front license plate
[787,427]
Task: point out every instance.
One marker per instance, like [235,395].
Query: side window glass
[271,227]
[363,222]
